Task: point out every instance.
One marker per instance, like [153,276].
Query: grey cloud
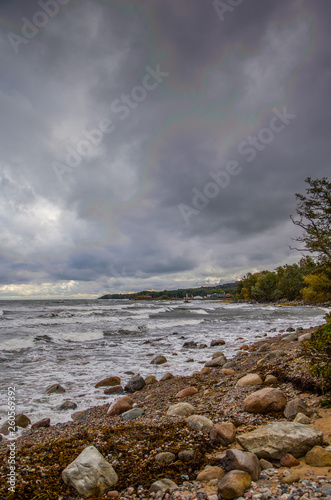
[113,222]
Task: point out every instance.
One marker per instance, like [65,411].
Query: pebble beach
[157,446]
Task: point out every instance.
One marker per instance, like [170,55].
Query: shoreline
[131,446]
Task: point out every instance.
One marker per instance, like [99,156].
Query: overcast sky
[151,144]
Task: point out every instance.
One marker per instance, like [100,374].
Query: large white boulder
[90,474]
[274,440]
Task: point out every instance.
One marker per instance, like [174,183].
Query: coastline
[131,447]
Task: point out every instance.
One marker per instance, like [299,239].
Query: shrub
[318,350]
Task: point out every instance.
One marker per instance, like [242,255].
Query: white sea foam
[79,336]
[171,323]
[16,343]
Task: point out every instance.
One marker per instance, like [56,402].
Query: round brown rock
[318,457]
[242,460]
[271,380]
[181,410]
[55,389]
[186,455]
[166,376]
[45,422]
[266,400]
[216,362]
[209,473]
[116,389]
[22,420]
[158,360]
[119,406]
[250,379]
[165,457]
[227,371]
[234,484]
[108,382]
[150,379]
[224,433]
[289,460]
[189,391]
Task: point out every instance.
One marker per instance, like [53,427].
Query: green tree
[245,286]
[289,282]
[265,286]
[314,212]
[318,349]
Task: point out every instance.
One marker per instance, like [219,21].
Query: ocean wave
[128,330]
[198,311]
[79,336]
[16,344]
[175,322]
[43,338]
[150,311]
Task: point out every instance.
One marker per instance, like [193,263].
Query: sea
[77,343]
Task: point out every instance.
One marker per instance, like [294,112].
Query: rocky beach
[249,427]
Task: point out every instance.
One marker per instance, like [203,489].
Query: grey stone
[292,337]
[135,384]
[218,354]
[296,406]
[165,457]
[158,360]
[326,490]
[229,364]
[274,354]
[265,464]
[132,414]
[162,484]
[305,336]
[216,362]
[90,474]
[67,405]
[302,419]
[199,423]
[272,441]
[77,416]
[186,455]
[181,409]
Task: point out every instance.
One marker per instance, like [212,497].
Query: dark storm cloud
[110,219]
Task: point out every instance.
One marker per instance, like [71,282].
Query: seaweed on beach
[130,447]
